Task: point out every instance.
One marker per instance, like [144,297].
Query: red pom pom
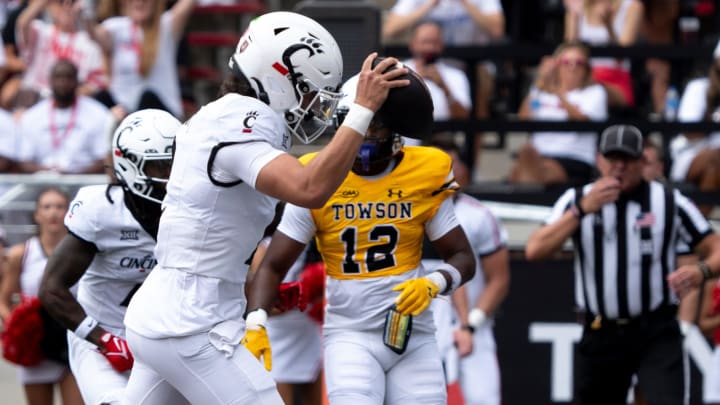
[23,334]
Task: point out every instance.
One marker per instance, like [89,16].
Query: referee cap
[624,139]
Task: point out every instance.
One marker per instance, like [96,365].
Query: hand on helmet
[375,82]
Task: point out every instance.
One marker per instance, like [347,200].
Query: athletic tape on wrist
[455,276]
[358,118]
[256,318]
[476,318]
[439,280]
[85,327]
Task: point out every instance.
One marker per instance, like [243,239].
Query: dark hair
[236,84]
[64,63]
[46,190]
[52,189]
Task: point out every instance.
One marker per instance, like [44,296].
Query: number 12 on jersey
[379,248]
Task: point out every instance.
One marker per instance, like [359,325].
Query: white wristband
[454,273]
[476,318]
[358,118]
[256,319]
[85,327]
[438,279]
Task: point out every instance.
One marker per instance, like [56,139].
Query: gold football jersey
[374,227]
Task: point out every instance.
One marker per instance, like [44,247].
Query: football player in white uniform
[295,336]
[379,341]
[231,166]
[478,370]
[109,248]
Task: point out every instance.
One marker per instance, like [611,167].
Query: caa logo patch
[349,193]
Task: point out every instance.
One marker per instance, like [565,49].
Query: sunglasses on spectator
[573,62]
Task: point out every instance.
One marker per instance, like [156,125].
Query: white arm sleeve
[561,205]
[243,161]
[443,221]
[297,223]
[692,103]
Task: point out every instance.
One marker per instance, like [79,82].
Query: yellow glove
[257,342]
[256,339]
[416,295]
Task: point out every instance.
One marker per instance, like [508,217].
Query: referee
[624,232]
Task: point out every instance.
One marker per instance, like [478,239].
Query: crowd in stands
[73,69]
[571,84]
[127,59]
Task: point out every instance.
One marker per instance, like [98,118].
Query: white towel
[225,336]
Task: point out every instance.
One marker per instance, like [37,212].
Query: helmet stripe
[280,68]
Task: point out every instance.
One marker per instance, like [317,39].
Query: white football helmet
[142,152]
[295,66]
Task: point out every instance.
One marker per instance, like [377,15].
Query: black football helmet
[381,143]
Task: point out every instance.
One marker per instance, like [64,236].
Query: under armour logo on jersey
[129,234]
[249,120]
[391,193]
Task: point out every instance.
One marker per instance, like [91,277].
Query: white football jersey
[124,257]
[208,231]
[201,218]
[361,304]
[485,234]
[33,267]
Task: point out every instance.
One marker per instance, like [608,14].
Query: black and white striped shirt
[624,252]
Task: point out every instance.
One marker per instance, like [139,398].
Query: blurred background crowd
[71,69]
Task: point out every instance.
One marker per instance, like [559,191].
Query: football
[408,110]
